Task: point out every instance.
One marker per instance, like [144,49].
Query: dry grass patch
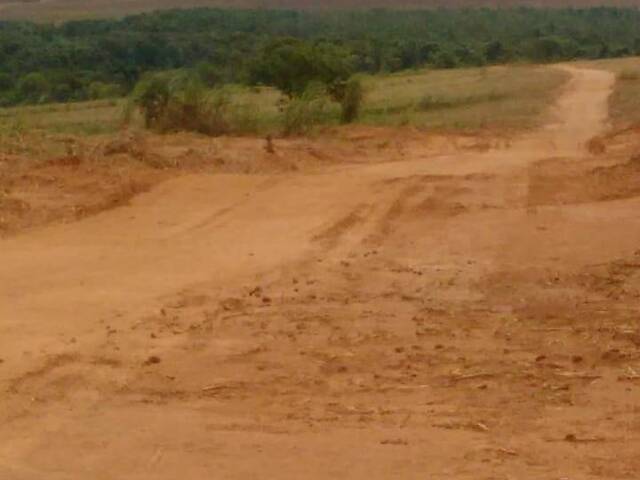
[83,118]
[506,98]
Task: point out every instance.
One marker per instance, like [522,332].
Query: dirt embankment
[87,177]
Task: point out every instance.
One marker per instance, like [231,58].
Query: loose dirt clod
[152,360]
[395,441]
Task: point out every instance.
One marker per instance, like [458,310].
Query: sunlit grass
[496,97]
[509,98]
[83,118]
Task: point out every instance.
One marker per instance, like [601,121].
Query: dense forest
[93,59]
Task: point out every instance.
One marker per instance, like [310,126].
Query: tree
[6,82]
[291,65]
[151,95]
[350,95]
[172,101]
[445,59]
[495,52]
[208,73]
[34,86]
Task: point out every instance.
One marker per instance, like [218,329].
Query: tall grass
[496,97]
[351,100]
[432,102]
[171,102]
[505,98]
[303,113]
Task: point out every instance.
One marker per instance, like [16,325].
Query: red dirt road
[471,316]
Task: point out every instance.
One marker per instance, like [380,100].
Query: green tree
[151,95]
[6,82]
[495,52]
[445,59]
[209,74]
[350,95]
[291,65]
[34,86]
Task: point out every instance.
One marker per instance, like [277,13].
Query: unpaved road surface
[470,316]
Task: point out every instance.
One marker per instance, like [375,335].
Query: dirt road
[470,316]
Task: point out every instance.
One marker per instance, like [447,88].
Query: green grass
[512,98]
[506,98]
[85,118]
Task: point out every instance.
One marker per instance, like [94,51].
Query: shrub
[179,101]
[208,74]
[351,100]
[34,87]
[551,48]
[445,59]
[495,52]
[6,82]
[151,97]
[243,118]
[305,111]
[101,90]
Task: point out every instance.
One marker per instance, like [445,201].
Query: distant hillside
[45,10]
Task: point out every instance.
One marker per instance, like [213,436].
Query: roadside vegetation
[104,59]
[624,103]
[505,98]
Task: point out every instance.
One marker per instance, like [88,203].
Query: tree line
[95,59]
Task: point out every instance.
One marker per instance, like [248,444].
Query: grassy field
[84,118]
[504,98]
[510,98]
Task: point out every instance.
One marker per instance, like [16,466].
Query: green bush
[178,101]
[305,111]
[351,101]
[445,59]
[6,82]
[208,74]
[551,48]
[34,87]
[151,97]
[101,90]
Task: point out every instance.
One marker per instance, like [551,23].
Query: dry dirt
[470,315]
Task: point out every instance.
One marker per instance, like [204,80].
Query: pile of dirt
[561,181]
[67,189]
